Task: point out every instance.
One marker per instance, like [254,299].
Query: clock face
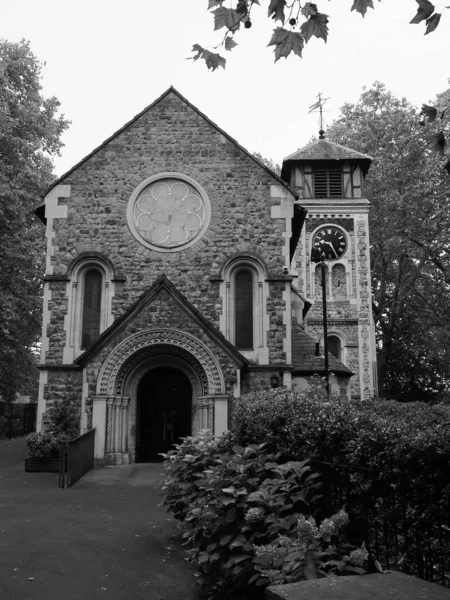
[329,243]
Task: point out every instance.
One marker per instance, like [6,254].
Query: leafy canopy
[410,252]
[30,133]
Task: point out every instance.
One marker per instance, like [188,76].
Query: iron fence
[405,526]
[76,458]
[17,419]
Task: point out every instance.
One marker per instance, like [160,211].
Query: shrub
[64,418]
[62,424]
[233,502]
[388,462]
[45,444]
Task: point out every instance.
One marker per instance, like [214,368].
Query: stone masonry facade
[171,305]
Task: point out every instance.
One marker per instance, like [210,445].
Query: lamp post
[317,258]
[323,267]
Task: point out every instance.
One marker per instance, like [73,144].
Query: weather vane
[319,105]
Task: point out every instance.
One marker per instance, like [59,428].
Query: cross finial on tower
[319,105]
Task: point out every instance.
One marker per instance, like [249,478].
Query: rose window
[168,214]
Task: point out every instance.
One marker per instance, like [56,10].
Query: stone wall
[171,137]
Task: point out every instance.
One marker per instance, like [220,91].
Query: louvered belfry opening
[91,308]
[327,182]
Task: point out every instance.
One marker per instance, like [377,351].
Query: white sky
[106,60]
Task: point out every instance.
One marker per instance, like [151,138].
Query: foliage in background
[297,22]
[410,250]
[30,132]
[275,167]
[388,462]
[243,517]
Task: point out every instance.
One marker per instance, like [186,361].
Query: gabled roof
[171,90]
[162,283]
[305,361]
[326,150]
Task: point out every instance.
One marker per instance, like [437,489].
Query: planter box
[42,465]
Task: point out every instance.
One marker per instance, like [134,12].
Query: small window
[244,309]
[334,346]
[327,182]
[92,299]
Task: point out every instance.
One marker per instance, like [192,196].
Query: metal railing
[17,419]
[405,526]
[76,458]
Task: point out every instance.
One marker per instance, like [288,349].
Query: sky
[107,60]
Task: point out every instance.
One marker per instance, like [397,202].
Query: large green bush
[248,518]
[388,462]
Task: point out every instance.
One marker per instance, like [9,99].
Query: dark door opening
[164,404]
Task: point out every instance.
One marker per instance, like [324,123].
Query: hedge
[388,462]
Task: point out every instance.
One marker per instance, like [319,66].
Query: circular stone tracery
[168,212]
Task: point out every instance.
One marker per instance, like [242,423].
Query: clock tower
[329,181]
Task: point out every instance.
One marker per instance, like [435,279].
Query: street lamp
[329,243]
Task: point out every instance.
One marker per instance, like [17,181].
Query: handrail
[76,458]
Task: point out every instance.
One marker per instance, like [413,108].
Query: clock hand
[332,247]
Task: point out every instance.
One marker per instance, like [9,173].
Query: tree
[30,132]
[410,252]
[300,21]
[275,167]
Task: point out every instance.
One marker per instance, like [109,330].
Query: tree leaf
[276,10]
[432,23]
[309,9]
[316,26]
[226,17]
[212,59]
[214,3]
[424,11]
[361,6]
[286,42]
[229,43]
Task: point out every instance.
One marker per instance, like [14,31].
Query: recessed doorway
[164,410]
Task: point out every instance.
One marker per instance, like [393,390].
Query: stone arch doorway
[163,412]
[119,390]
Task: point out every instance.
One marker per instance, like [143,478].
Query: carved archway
[131,360]
[112,374]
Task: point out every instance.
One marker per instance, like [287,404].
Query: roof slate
[327,150]
[304,357]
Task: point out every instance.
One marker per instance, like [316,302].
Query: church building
[179,277]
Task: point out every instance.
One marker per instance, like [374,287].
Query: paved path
[106,537]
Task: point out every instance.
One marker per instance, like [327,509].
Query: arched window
[244,309]
[90,289]
[244,320]
[335,346]
[339,282]
[91,311]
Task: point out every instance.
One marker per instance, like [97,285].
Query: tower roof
[326,150]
